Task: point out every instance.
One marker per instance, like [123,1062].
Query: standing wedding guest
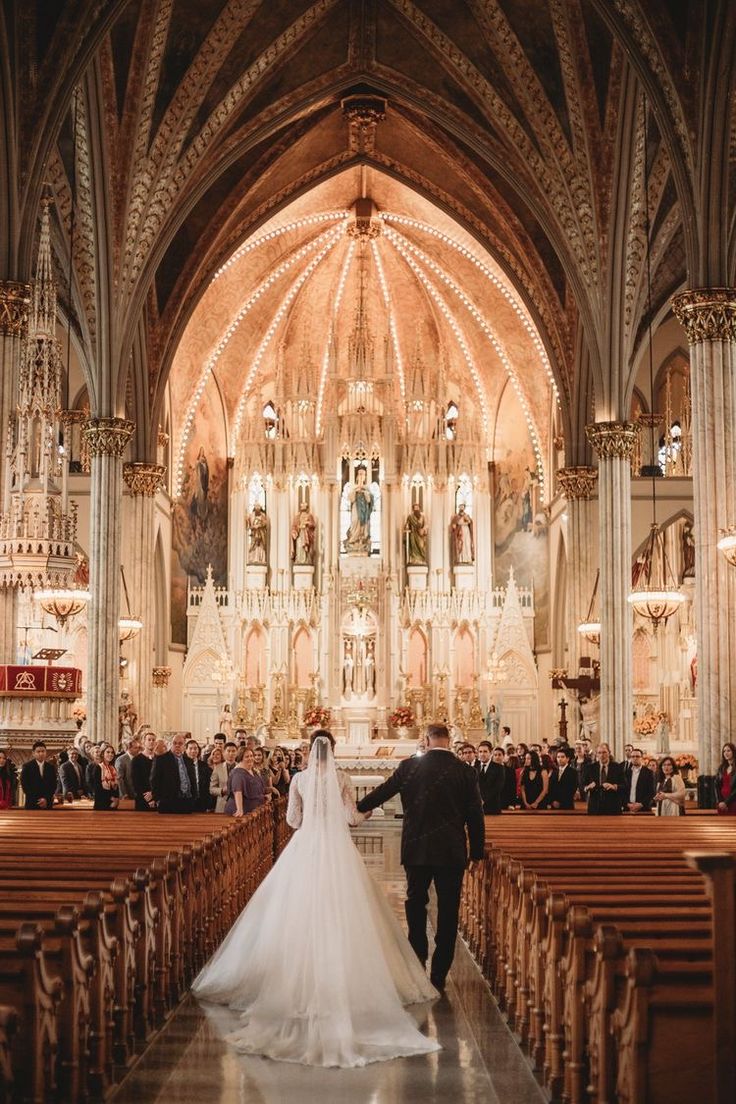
[604,784]
[38,779]
[280,776]
[202,775]
[7,782]
[71,776]
[124,767]
[669,800]
[247,791]
[508,790]
[260,765]
[221,763]
[725,781]
[491,778]
[102,779]
[534,782]
[140,773]
[512,764]
[639,793]
[467,754]
[563,781]
[172,778]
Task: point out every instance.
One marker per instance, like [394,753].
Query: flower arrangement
[402,717]
[79,713]
[649,723]
[317,717]
[686,760]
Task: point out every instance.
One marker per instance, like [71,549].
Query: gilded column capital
[161,676]
[144,479]
[107,436]
[15,305]
[649,421]
[612,439]
[578,482]
[707,314]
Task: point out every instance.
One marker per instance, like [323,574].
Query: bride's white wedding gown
[317,963]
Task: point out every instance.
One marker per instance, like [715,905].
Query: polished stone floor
[188,1062]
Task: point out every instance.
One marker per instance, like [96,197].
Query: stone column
[709,318]
[106,439]
[143,480]
[159,712]
[15,301]
[614,443]
[578,485]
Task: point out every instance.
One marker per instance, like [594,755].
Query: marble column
[709,318]
[578,485]
[15,301]
[159,713]
[614,443]
[143,481]
[107,439]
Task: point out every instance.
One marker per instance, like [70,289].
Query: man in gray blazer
[124,767]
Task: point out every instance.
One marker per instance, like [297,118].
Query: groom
[440,797]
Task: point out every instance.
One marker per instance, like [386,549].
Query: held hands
[609,786]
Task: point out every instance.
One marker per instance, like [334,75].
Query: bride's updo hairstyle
[322,732]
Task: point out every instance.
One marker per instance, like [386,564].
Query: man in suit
[38,779]
[491,779]
[124,767]
[440,798]
[172,778]
[563,781]
[202,775]
[640,784]
[604,784]
[71,776]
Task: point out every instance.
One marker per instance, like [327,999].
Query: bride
[338,1002]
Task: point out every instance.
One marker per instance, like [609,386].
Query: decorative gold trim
[612,439]
[649,421]
[107,436]
[161,676]
[707,314]
[15,305]
[578,482]
[144,479]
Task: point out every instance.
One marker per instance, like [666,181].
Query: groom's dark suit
[440,797]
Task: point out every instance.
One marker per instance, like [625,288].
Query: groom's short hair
[438,732]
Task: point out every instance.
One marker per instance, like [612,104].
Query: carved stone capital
[612,439]
[649,421]
[144,479]
[71,418]
[707,314]
[107,436]
[15,304]
[578,482]
[161,676]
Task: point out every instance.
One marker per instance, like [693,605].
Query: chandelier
[62,603]
[590,629]
[654,595]
[128,626]
[727,544]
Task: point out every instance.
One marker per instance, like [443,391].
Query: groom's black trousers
[448,882]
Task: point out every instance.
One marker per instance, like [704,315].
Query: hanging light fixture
[654,596]
[727,544]
[128,626]
[590,629]
[62,603]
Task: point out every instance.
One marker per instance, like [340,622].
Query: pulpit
[36,702]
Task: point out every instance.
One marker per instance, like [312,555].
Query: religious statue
[590,714]
[369,667]
[492,723]
[258,531]
[348,666]
[127,717]
[226,721]
[303,529]
[415,538]
[358,536]
[463,544]
[687,539]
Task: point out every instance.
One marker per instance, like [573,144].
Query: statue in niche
[358,536]
[348,669]
[257,534]
[303,529]
[226,721]
[463,543]
[687,542]
[415,538]
[127,718]
[492,723]
[369,667]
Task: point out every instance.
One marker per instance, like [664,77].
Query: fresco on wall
[520,523]
[200,515]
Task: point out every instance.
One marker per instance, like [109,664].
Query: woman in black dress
[534,782]
[102,780]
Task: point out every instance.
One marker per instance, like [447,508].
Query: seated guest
[7,782]
[172,778]
[247,791]
[604,784]
[491,778]
[669,800]
[280,776]
[725,781]
[202,774]
[221,773]
[71,776]
[38,779]
[124,767]
[534,782]
[102,779]
[563,781]
[639,793]
[467,754]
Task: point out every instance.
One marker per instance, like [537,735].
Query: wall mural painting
[200,515]
[520,523]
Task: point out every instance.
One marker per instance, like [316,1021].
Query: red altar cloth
[44,682]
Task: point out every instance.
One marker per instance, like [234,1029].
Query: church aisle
[189,1062]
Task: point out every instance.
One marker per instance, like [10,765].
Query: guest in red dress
[726,781]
